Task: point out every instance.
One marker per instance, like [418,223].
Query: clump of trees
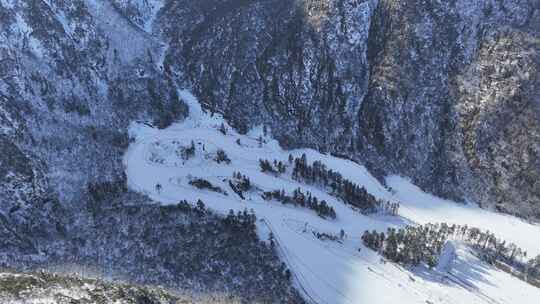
[266,166]
[349,192]
[532,271]
[299,199]
[221,157]
[318,174]
[389,208]
[103,190]
[243,182]
[189,152]
[238,242]
[414,245]
[241,221]
[202,184]
[323,236]
[276,167]
[240,184]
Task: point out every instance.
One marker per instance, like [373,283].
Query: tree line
[240,184]
[276,167]
[243,182]
[318,174]
[222,157]
[202,184]
[414,245]
[238,227]
[304,200]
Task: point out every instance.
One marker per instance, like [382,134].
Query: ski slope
[325,271]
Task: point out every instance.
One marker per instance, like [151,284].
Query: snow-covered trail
[330,272]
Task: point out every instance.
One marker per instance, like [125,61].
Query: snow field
[325,271]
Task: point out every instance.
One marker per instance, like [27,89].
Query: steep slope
[453,98]
[73,75]
[444,92]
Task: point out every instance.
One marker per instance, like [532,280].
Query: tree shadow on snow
[463,273]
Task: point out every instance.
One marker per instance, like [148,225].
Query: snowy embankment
[326,271]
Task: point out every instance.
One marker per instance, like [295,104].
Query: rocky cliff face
[453,98]
[445,92]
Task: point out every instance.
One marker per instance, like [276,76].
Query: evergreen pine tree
[271,240]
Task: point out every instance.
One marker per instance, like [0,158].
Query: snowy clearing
[325,271]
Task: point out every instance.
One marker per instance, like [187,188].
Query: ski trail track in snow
[324,271]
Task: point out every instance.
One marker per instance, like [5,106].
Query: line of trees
[189,152]
[532,271]
[240,184]
[201,183]
[221,157]
[304,200]
[276,167]
[413,245]
[324,236]
[389,208]
[318,174]
[241,221]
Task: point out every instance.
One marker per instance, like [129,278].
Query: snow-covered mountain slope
[324,271]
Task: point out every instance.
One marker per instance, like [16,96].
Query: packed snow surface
[325,271]
[447,257]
